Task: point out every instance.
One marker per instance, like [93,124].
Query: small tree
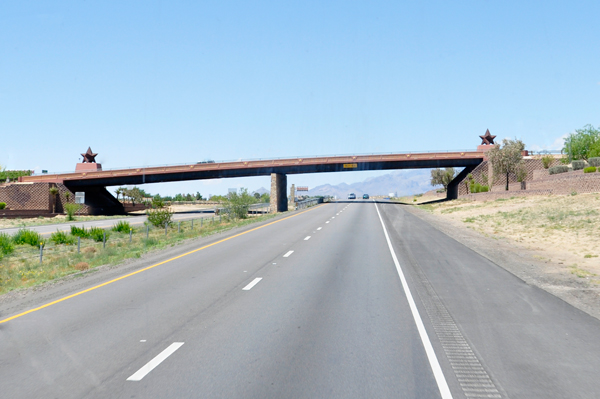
[583,144]
[442,176]
[159,217]
[237,205]
[71,209]
[506,158]
[53,192]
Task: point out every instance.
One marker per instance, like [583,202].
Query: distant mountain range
[401,182]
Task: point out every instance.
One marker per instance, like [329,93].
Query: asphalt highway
[344,300]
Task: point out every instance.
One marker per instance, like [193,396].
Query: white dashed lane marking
[252,284]
[148,367]
[307,238]
[288,254]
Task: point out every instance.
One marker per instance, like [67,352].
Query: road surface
[344,300]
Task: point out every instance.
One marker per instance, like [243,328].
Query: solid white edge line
[148,367]
[433,361]
[252,284]
[288,253]
[307,238]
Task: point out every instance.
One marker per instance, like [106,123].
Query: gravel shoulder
[524,263]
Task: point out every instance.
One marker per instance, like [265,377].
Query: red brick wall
[36,197]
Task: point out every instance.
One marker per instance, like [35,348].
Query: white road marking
[319,228]
[252,284]
[142,340]
[433,361]
[288,253]
[307,238]
[327,221]
[148,367]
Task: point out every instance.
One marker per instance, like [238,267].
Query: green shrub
[589,169]
[2,205]
[97,234]
[71,209]
[60,237]
[558,169]
[6,244]
[478,188]
[79,232]
[594,161]
[25,236]
[578,165]
[160,217]
[547,160]
[121,227]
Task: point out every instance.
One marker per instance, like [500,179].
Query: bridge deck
[261,168]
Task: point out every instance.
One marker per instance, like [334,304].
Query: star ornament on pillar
[487,138]
[89,156]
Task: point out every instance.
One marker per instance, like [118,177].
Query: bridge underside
[140,178]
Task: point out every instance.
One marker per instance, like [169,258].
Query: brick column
[278,192]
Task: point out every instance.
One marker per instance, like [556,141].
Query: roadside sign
[80,197]
[350,166]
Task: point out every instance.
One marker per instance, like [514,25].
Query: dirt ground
[552,240]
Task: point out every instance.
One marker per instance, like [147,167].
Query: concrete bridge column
[279,201]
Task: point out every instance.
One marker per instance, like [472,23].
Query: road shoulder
[521,263]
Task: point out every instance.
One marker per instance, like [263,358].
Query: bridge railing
[267,159]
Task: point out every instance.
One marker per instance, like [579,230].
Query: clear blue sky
[147,83]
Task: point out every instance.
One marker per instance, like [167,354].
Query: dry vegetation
[560,230]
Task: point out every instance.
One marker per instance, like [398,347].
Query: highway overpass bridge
[93,182]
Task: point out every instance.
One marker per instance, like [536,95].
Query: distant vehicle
[365,196]
[206,161]
[351,196]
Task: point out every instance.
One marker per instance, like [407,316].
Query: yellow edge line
[148,268]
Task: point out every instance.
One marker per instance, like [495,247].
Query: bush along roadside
[558,169]
[23,265]
[589,169]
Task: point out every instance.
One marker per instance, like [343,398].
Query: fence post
[201,220]
[104,239]
[130,234]
[179,227]
[41,251]
[192,224]
[78,243]
[166,226]
[219,218]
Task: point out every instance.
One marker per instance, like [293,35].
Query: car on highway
[351,196]
[365,196]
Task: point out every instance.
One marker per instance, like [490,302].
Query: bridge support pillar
[279,202]
[452,191]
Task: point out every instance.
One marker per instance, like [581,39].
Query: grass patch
[22,268]
[580,272]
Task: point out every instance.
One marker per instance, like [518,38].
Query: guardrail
[308,203]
